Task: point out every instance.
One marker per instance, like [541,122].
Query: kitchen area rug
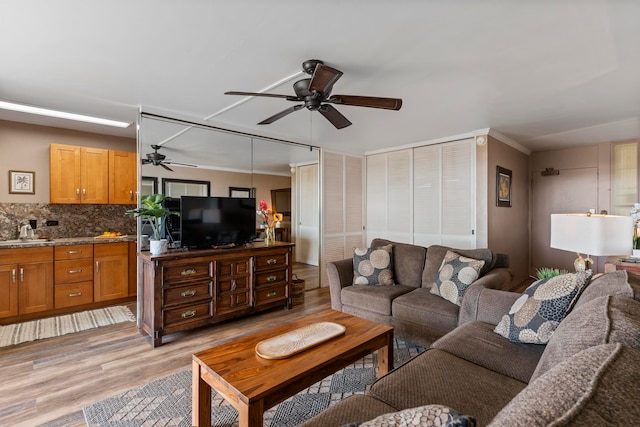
[61,325]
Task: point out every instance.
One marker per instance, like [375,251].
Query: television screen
[217,221]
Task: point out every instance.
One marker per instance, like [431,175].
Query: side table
[614,263]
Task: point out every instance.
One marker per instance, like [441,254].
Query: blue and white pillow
[373,266]
[456,274]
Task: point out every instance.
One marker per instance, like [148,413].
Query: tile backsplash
[73,220]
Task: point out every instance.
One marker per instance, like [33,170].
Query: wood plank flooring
[47,382]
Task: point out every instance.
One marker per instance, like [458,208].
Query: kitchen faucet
[26,232]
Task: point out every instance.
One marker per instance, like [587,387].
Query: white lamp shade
[597,235]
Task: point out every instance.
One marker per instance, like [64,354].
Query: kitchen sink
[22,242]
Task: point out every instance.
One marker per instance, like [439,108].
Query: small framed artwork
[503,187]
[22,182]
[242,192]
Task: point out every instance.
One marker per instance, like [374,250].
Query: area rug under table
[61,325]
[167,401]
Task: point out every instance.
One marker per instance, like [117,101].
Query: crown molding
[510,142]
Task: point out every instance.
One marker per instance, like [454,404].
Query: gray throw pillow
[423,416]
[373,266]
[536,314]
[456,274]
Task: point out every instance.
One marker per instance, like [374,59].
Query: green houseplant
[155,213]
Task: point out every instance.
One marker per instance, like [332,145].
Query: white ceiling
[546,74]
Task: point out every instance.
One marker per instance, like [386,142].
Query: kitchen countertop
[37,243]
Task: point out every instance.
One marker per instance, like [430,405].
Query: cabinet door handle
[272,278]
[272,261]
[21,274]
[188,271]
[188,314]
[84,193]
[74,271]
[13,275]
[79,251]
[97,266]
[77,294]
[271,294]
[189,293]
[77,193]
[234,285]
[130,195]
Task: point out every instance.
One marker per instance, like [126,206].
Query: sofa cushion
[422,416]
[456,274]
[608,319]
[436,376]
[350,411]
[596,387]
[420,306]
[436,253]
[477,343]
[373,266]
[608,284]
[408,261]
[373,298]
[536,314]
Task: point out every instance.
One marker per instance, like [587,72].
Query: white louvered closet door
[308,226]
[342,212]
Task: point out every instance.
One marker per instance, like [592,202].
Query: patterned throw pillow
[536,314]
[455,275]
[373,266]
[424,416]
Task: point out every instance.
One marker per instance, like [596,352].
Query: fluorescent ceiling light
[61,114]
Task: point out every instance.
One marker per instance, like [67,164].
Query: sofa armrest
[340,274]
[487,305]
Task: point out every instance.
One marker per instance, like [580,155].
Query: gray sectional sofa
[588,374]
[417,315]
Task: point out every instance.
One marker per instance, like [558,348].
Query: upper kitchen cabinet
[78,174]
[122,177]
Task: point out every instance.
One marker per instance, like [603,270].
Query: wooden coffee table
[252,384]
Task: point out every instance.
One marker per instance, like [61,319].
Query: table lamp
[591,234]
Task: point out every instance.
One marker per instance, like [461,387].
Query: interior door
[307,238]
[572,191]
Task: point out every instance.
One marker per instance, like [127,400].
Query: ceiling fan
[315,95]
[157,159]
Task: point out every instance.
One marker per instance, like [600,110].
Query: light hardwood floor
[47,382]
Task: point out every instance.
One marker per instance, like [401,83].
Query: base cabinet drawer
[268,295]
[73,294]
[75,270]
[188,313]
[187,294]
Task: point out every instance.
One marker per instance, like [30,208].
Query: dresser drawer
[266,262]
[271,277]
[186,272]
[73,270]
[73,252]
[267,295]
[186,294]
[188,313]
[73,294]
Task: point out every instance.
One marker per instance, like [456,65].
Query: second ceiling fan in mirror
[158,159]
[315,95]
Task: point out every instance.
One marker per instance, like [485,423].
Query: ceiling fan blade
[180,164]
[334,116]
[281,114]
[269,95]
[367,101]
[166,167]
[145,161]
[323,78]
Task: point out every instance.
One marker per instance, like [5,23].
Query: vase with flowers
[269,221]
[635,215]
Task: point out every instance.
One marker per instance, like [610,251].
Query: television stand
[182,290]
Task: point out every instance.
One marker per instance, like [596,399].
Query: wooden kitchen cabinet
[111,271]
[26,281]
[73,275]
[78,174]
[122,177]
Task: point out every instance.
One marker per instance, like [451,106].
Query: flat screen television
[216,221]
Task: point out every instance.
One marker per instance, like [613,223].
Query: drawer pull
[189,293]
[188,271]
[79,251]
[74,271]
[234,285]
[272,261]
[271,294]
[77,294]
[188,314]
[272,278]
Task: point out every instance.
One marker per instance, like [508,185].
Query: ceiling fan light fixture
[62,114]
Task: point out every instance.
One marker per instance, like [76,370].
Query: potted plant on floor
[153,210]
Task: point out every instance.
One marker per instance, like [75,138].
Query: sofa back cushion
[608,319]
[408,261]
[607,284]
[436,254]
[596,387]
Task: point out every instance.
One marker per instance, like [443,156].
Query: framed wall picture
[22,182]
[503,187]
[242,192]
